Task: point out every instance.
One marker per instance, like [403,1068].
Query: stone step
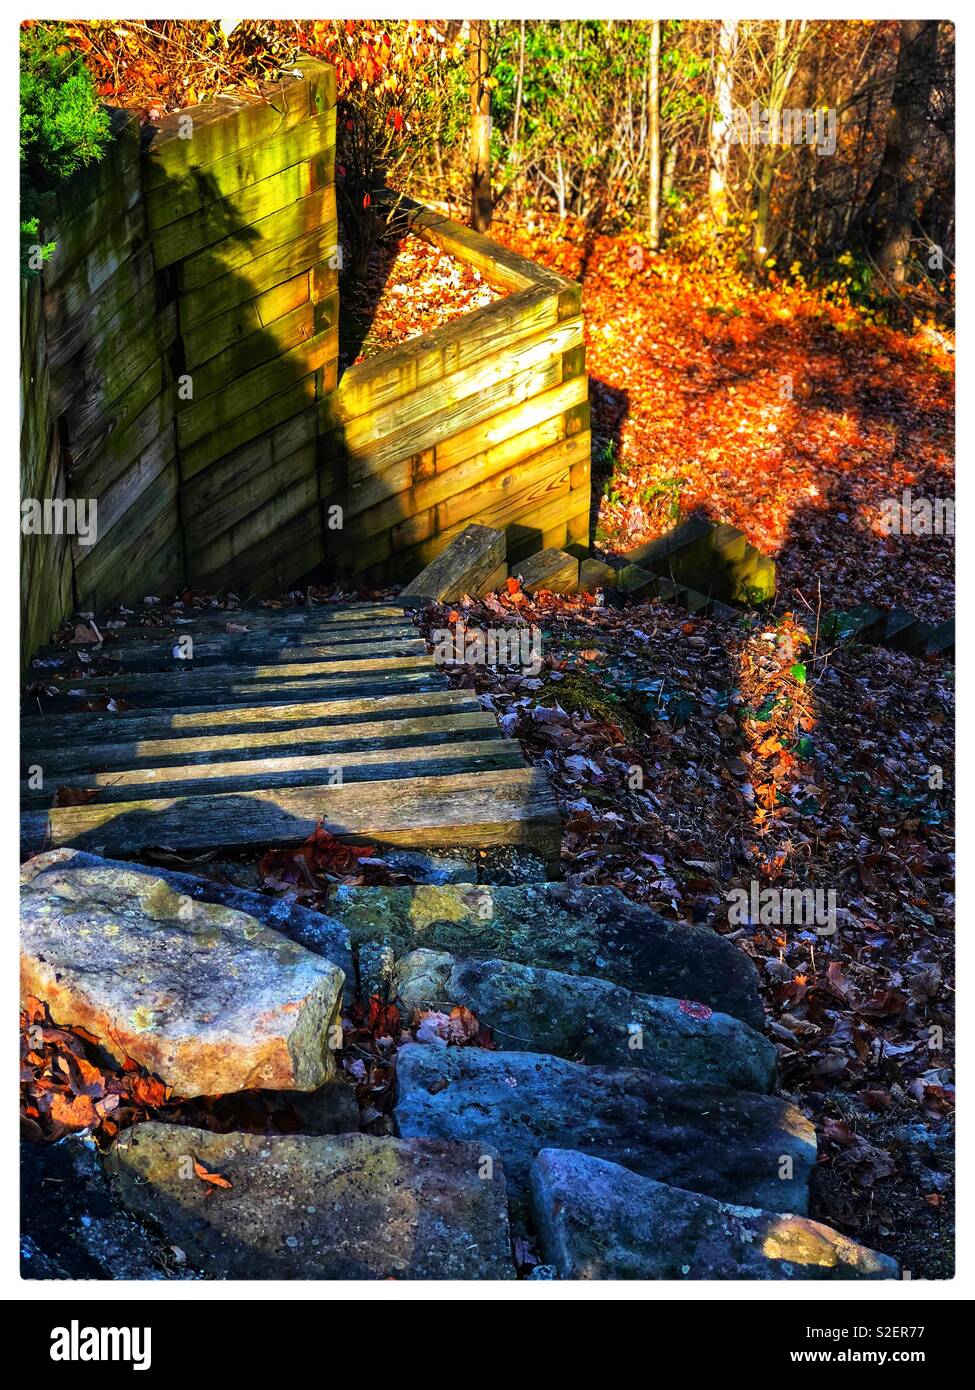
[579,930]
[202,996]
[317,932]
[344,1206]
[589,1020]
[598,1220]
[750,1149]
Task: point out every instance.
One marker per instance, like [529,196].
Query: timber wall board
[186,339]
[484,419]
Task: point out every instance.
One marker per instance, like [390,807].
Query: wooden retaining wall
[484,419]
[45,558]
[242,221]
[187,327]
[188,333]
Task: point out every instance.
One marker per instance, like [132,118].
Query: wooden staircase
[332,715]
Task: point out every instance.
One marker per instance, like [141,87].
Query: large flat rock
[201,995]
[347,1206]
[316,931]
[598,1220]
[584,931]
[732,1145]
[589,1020]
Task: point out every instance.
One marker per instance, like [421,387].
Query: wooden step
[191,690]
[298,616]
[656,554]
[69,758]
[478,809]
[44,731]
[210,652]
[339,634]
[862,623]
[197,779]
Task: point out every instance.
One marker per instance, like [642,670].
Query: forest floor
[780,409]
[689,760]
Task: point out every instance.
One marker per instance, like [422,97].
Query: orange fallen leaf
[214,1179]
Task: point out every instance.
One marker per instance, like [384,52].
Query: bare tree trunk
[784,70]
[721,124]
[654,134]
[482,203]
[901,180]
[516,122]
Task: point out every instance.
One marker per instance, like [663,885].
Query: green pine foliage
[63,126]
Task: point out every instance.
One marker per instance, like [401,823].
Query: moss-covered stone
[598,1220]
[583,931]
[589,1020]
[346,1206]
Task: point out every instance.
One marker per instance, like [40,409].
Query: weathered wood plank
[550,569]
[222,217]
[510,454]
[304,770]
[108,571]
[461,568]
[235,253]
[119,441]
[434,429]
[496,262]
[268,269]
[300,616]
[186,682]
[452,348]
[233,328]
[225,407]
[242,169]
[482,379]
[248,425]
[480,809]
[41,731]
[519,419]
[239,361]
[245,692]
[536,479]
[408,732]
[152,652]
[232,125]
[244,553]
